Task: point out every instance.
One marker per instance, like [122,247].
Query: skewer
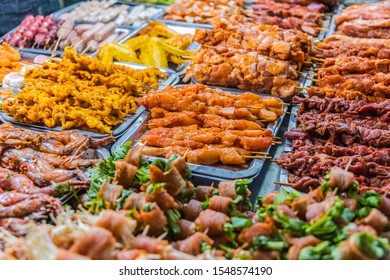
[186,153]
[311,79]
[257,157]
[284,184]
[85,50]
[323,29]
[55,47]
[301,88]
[33,46]
[260,153]
[318,59]
[277,142]
[348,164]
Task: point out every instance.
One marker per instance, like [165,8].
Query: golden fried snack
[81,92]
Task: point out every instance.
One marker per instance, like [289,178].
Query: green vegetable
[121,200]
[373,247]
[104,170]
[173,215]
[204,246]
[242,186]
[131,213]
[206,203]
[263,242]
[366,202]
[152,187]
[164,164]
[325,228]
[229,229]
[319,252]
[294,226]
[240,222]
[97,204]
[149,206]
[281,197]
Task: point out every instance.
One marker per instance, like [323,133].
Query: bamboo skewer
[284,184]
[311,79]
[323,29]
[318,59]
[257,157]
[260,153]
[56,47]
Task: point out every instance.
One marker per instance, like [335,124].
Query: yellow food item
[9,60]
[156,46]
[81,92]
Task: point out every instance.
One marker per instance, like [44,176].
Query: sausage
[121,36]
[81,28]
[88,34]
[110,39]
[106,31]
[92,46]
[79,46]
[67,41]
[65,29]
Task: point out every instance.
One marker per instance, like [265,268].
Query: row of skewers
[345,121]
[303,16]
[209,126]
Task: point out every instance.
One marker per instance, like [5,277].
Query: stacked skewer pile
[345,121]
[255,57]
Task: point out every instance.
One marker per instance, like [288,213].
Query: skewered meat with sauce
[244,69]
[197,97]
[369,11]
[289,45]
[337,45]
